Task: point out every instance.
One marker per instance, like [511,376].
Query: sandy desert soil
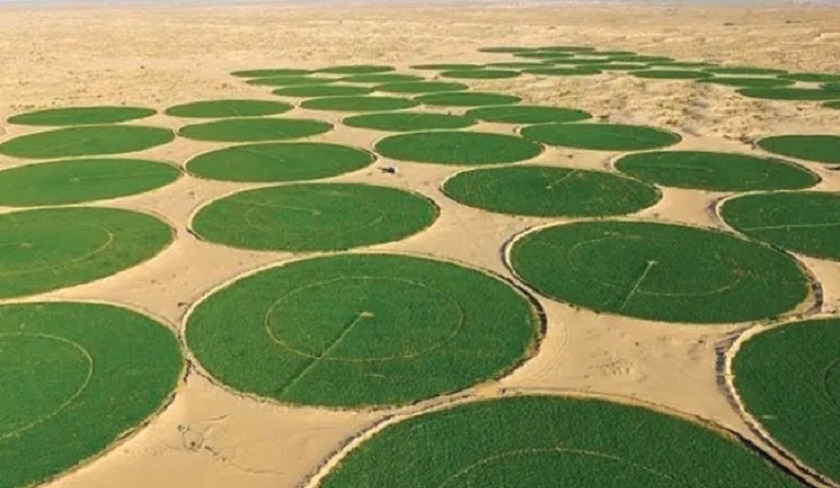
[210,437]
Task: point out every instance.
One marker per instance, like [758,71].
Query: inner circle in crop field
[314,217]
[803,222]
[663,272]
[547,191]
[81,116]
[457,147]
[46,249]
[86,140]
[217,109]
[716,171]
[570,442]
[362,329]
[254,130]
[601,137]
[75,378]
[819,148]
[789,380]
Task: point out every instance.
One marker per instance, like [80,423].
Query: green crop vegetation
[358,104]
[254,130]
[527,114]
[670,74]
[789,93]
[445,66]
[480,74]
[748,82]
[601,137]
[86,140]
[356,69]
[311,91]
[457,147]
[290,80]
[744,70]
[408,121]
[382,78]
[578,71]
[820,148]
[217,109]
[812,77]
[81,116]
[466,99]
[420,87]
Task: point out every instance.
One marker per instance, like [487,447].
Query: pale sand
[210,437]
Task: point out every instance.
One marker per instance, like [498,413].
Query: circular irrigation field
[662,272]
[81,116]
[314,91]
[601,137]
[546,442]
[789,381]
[527,114]
[81,180]
[466,99]
[408,121]
[457,148]
[277,161]
[86,140]
[254,130]
[420,87]
[546,191]
[362,329]
[314,217]
[803,222]
[381,78]
[217,109]
[358,104]
[716,171]
[818,148]
[94,243]
[75,378]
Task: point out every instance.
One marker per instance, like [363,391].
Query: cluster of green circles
[457,148]
[75,377]
[659,271]
[86,140]
[362,329]
[314,217]
[81,116]
[254,129]
[601,137]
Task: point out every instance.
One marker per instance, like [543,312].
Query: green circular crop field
[833,105]
[527,114]
[819,148]
[290,80]
[81,180]
[783,93]
[408,121]
[480,74]
[217,109]
[314,217]
[278,161]
[75,378]
[547,55]
[567,49]
[601,137]
[88,140]
[748,82]
[803,222]
[356,69]
[716,171]
[420,87]
[640,58]
[581,71]
[268,72]
[445,66]
[357,330]
[254,130]
[662,272]
[617,67]
[670,74]
[311,91]
[457,147]
[812,77]
[382,78]
[358,104]
[94,243]
[582,62]
[549,442]
[465,99]
[682,64]
[744,70]
[81,116]
[546,191]
[789,380]
[513,65]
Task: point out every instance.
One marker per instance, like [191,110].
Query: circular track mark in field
[466,99]
[820,148]
[314,217]
[783,93]
[445,66]
[716,171]
[269,72]
[88,140]
[788,378]
[358,104]
[290,80]
[381,78]
[254,130]
[356,69]
[354,330]
[420,87]
[585,443]
[803,222]
[578,71]
[81,116]
[310,91]
[748,82]
[480,74]
[408,121]
[671,74]
[744,70]
[81,180]
[94,243]
[457,147]
[601,137]
[546,191]
[278,161]
[78,374]
[661,272]
[527,114]
[812,77]
[217,109]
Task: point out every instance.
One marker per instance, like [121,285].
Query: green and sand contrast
[545,191]
[86,140]
[748,82]
[381,78]
[671,74]
[291,80]
[570,71]
[81,180]
[358,103]
[81,116]
[356,69]
[821,148]
[420,87]
[314,91]
[466,99]
[314,217]
[457,148]
[217,109]
[790,93]
[75,378]
[527,114]
[660,272]
[601,137]
[706,170]
[788,379]
[480,74]
[268,72]
[408,121]
[95,243]
[253,130]
[277,161]
[546,442]
[802,222]
[355,330]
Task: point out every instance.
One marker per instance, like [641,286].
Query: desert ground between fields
[159,57]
